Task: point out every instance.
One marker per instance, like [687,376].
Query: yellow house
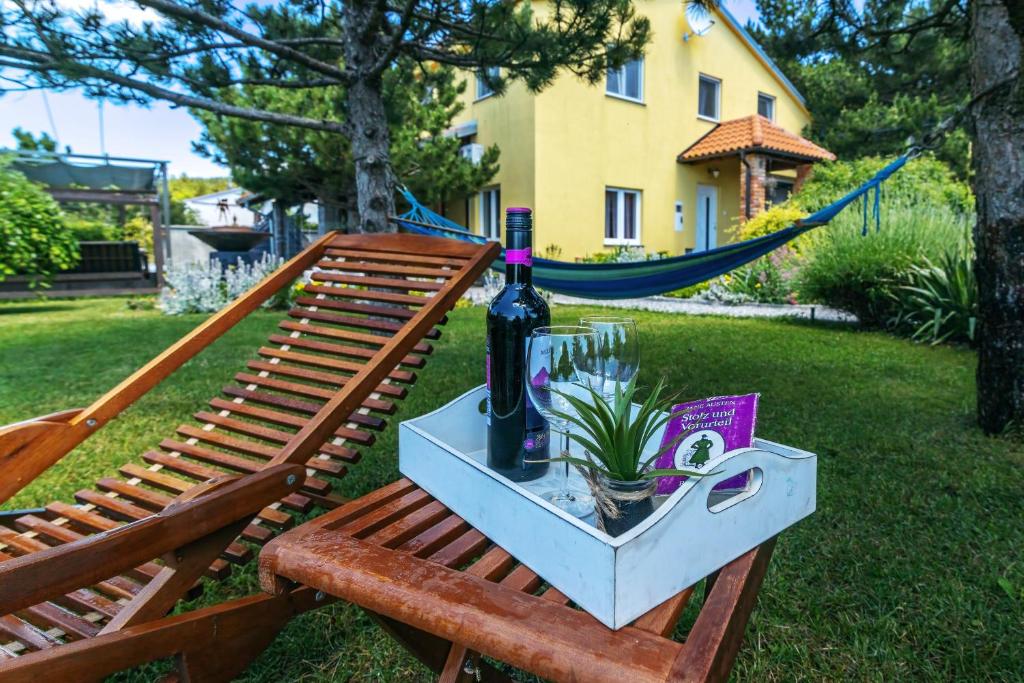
[659,156]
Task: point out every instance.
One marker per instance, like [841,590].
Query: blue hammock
[646,278]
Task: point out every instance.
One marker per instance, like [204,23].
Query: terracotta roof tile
[752,134]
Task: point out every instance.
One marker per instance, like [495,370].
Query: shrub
[926,178]
[203,287]
[860,274]
[33,238]
[90,229]
[774,219]
[938,301]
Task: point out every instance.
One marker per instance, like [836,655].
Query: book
[702,430]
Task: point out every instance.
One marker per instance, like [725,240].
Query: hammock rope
[646,278]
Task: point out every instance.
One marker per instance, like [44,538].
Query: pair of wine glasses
[599,353]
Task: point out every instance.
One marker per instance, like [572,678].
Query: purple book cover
[709,427]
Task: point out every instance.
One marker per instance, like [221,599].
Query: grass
[911,568]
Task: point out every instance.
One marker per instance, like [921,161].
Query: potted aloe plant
[622,480]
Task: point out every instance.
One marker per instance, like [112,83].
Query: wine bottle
[516,432]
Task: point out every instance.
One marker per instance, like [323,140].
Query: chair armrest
[34,578]
[22,452]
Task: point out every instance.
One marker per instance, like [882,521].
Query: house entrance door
[707,217]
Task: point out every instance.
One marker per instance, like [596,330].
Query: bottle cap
[518,218]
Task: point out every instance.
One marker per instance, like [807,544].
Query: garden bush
[91,229]
[938,301]
[861,274]
[926,178]
[34,240]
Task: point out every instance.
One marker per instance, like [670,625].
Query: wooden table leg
[715,638]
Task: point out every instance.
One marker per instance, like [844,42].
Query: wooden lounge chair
[85,589]
[447,593]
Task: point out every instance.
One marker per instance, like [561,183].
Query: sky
[154,132]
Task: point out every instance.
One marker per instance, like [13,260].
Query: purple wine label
[521,257]
[699,431]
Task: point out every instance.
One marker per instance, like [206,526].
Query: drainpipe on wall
[746,187]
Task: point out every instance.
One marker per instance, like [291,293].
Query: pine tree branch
[274,47]
[84,73]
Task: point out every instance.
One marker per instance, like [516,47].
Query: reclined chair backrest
[343,357]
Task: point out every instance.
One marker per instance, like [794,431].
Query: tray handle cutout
[719,501]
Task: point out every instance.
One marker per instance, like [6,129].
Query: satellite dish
[699,20]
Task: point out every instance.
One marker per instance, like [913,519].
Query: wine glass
[563,360]
[619,344]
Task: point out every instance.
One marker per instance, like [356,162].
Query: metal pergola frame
[158,199]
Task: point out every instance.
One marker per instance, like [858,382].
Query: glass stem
[566,491]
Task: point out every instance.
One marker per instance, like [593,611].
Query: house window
[621,216]
[483,89]
[490,213]
[766,106]
[627,81]
[708,96]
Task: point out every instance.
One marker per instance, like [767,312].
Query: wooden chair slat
[288,420]
[254,533]
[363,323]
[386,514]
[203,473]
[407,285]
[461,550]
[367,504]
[156,478]
[410,525]
[227,442]
[386,269]
[341,350]
[279,401]
[310,391]
[25,633]
[368,295]
[347,335]
[47,616]
[396,312]
[241,427]
[286,370]
[332,363]
[384,257]
[436,537]
[80,519]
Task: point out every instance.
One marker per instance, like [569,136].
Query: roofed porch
[773,163]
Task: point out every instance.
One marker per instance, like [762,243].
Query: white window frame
[622,82]
[494,233]
[770,98]
[718,97]
[483,91]
[620,211]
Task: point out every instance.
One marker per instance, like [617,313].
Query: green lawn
[911,569]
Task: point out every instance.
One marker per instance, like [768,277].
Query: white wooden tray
[690,534]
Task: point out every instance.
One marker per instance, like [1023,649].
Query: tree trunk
[998,158]
[367,122]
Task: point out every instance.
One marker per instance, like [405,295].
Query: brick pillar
[803,173]
[758,170]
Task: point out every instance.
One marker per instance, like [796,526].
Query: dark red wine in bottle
[516,432]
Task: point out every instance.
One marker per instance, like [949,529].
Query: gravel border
[666,304]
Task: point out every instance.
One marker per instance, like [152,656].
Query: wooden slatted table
[447,593]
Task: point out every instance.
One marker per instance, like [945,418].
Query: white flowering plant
[206,287]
